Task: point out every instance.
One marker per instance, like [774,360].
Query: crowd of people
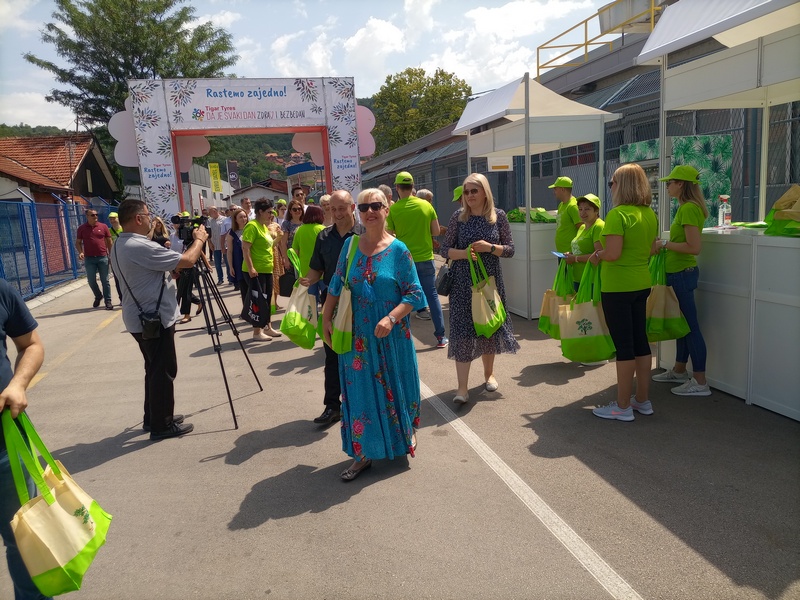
[380,249]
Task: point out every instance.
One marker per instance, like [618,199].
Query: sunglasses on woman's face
[472,191]
[297,209]
[375,206]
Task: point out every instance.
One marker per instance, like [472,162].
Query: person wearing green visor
[682,248]
[567,218]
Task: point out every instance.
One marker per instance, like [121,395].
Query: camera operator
[142,265]
[184,226]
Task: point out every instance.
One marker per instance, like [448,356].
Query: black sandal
[351,473]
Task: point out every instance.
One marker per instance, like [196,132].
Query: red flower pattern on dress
[389,395]
[360,344]
[356,448]
[357,364]
[358,428]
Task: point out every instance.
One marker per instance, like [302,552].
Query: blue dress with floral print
[380,378]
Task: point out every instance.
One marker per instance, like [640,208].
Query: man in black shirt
[323,266]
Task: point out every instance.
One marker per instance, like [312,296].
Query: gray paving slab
[698,501]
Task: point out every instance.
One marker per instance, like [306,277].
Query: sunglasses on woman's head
[375,206]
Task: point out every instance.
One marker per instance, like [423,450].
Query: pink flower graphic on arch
[357,365]
[358,428]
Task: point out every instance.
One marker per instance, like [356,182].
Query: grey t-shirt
[144,265]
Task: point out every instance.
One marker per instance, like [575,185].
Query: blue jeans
[684,283]
[218,264]
[426,271]
[24,588]
[95,264]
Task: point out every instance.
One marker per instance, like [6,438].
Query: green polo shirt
[410,219]
[261,247]
[638,227]
[583,244]
[567,218]
[688,214]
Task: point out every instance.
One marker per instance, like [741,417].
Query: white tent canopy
[759,69]
[554,121]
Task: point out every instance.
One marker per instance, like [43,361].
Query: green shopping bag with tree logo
[665,321]
[299,324]
[58,533]
[488,312]
[584,333]
[558,295]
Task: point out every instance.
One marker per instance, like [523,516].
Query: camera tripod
[210,297]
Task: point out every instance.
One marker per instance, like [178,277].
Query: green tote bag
[488,312]
[665,321]
[58,533]
[299,324]
[584,333]
[342,335]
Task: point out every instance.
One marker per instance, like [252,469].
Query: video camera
[185,225]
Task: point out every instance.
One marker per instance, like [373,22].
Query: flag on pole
[233,174]
[216,181]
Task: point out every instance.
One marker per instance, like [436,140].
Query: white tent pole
[764,172]
[469,156]
[664,167]
[527,80]
[601,164]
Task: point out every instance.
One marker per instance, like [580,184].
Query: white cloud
[223,19]
[320,55]
[251,54]
[367,50]
[521,18]
[32,109]
[300,8]
[419,19]
[282,58]
[11,15]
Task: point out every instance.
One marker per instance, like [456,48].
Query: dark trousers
[626,317]
[160,370]
[333,386]
[185,295]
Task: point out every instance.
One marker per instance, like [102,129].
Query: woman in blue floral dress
[479,223]
[380,378]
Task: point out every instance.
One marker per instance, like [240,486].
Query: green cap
[564,182]
[457,193]
[185,214]
[404,178]
[683,173]
[591,198]
[113,215]
[281,201]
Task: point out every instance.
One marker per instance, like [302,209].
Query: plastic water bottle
[724,215]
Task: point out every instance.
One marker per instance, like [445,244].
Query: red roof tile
[54,158]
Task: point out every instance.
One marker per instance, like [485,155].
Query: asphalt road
[520,494]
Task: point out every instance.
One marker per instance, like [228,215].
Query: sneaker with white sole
[424,315]
[691,388]
[643,408]
[613,411]
[441,342]
[671,376]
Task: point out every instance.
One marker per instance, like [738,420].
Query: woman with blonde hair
[159,232]
[629,231]
[682,248]
[325,205]
[486,228]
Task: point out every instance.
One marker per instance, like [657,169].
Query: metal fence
[37,242]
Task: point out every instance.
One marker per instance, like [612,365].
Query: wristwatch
[664,243]
[492,250]
[392,319]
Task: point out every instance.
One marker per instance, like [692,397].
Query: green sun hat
[683,173]
[281,201]
[591,199]
[564,182]
[457,193]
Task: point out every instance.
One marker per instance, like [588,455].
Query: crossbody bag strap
[118,270]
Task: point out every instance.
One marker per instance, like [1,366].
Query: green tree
[106,42]
[411,104]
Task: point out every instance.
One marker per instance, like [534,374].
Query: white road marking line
[606,576]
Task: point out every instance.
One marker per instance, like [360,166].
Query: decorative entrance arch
[161,114]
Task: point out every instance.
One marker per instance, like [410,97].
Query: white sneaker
[424,315]
[613,411]
[671,376]
[643,408]
[691,388]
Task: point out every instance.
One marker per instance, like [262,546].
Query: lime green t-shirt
[411,219]
[304,239]
[261,246]
[638,227]
[688,214]
[567,218]
[583,243]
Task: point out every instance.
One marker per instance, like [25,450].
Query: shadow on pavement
[82,457]
[306,489]
[724,480]
[555,373]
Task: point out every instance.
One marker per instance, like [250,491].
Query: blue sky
[485,43]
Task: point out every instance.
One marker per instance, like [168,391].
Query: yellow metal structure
[588,42]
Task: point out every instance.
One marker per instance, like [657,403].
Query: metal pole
[529,276]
